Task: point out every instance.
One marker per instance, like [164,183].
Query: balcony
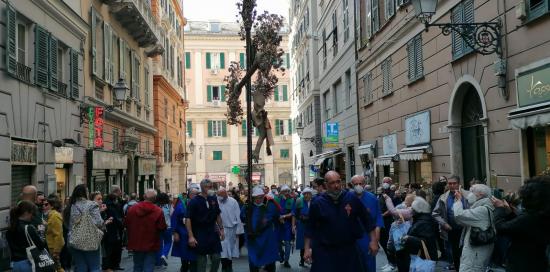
[23,72]
[137,18]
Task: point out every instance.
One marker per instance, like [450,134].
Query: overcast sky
[225,10]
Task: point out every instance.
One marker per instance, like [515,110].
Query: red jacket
[144,223]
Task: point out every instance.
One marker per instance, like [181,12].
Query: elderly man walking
[231,219]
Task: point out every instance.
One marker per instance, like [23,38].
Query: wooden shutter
[187,60]
[285,93]
[222,92]
[53,63]
[242,60]
[276,93]
[419,61]
[456,18]
[146,83]
[138,78]
[189,128]
[277,128]
[222,60]
[121,51]
[287,56]
[209,93]
[41,56]
[93,17]
[74,90]
[289,127]
[112,41]
[375,16]
[468,17]
[411,58]
[106,44]
[134,74]
[243,128]
[209,128]
[208,60]
[224,128]
[11,45]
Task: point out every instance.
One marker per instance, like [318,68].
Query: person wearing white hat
[231,220]
[261,233]
[286,202]
[299,221]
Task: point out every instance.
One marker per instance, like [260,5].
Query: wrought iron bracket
[484,38]
[314,140]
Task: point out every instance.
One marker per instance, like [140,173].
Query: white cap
[285,188]
[257,191]
[307,190]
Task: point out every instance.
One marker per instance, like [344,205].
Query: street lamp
[484,38]
[119,89]
[300,131]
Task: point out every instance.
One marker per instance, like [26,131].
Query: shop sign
[417,129]
[533,86]
[389,144]
[63,155]
[256,176]
[216,177]
[23,153]
[95,127]
[146,166]
[107,160]
[331,135]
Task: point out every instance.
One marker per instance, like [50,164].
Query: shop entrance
[472,138]
[21,176]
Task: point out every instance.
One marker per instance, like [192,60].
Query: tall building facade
[337,88]
[119,135]
[169,98]
[218,149]
[429,105]
[41,88]
[304,44]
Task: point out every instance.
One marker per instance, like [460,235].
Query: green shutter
[41,57]
[419,61]
[224,128]
[289,127]
[456,18]
[209,128]
[121,54]
[243,127]
[222,92]
[276,93]
[467,17]
[74,90]
[287,56]
[106,44]
[217,155]
[208,60]
[94,50]
[277,128]
[242,60]
[285,93]
[189,129]
[187,60]
[222,60]
[53,63]
[256,131]
[411,58]
[11,47]
[209,93]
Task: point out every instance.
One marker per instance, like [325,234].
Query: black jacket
[424,228]
[529,237]
[115,229]
[17,240]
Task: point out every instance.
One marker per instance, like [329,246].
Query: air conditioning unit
[216,103]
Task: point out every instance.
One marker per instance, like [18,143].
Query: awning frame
[385,160]
[416,153]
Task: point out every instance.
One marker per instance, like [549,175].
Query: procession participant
[204,227]
[231,219]
[262,234]
[368,246]
[333,230]
[299,221]
[181,248]
[286,202]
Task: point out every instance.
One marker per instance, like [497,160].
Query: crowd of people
[336,225]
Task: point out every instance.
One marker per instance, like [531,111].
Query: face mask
[385,186]
[358,189]
[334,195]
[211,192]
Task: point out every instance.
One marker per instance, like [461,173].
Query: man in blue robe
[286,202]
[181,248]
[368,246]
[299,221]
[337,220]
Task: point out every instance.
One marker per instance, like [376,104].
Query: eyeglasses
[46,204]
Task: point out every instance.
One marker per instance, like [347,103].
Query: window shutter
[138,78]
[224,128]
[94,50]
[375,16]
[208,60]
[242,60]
[134,76]
[468,17]
[53,63]
[418,56]
[411,59]
[222,93]
[276,93]
[146,87]
[121,64]
[209,93]
[277,128]
[222,60]
[74,90]
[289,127]
[189,129]
[41,57]
[113,41]
[285,93]
[256,131]
[209,128]
[187,60]
[287,56]
[106,43]
[456,18]
[11,47]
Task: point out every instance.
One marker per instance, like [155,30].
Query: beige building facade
[429,106]
[218,149]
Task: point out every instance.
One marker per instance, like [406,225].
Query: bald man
[30,193]
[337,221]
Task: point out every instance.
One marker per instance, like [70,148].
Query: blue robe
[334,228]
[301,221]
[203,213]
[263,248]
[181,248]
[285,229]
[373,207]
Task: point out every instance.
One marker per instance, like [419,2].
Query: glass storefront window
[538,144]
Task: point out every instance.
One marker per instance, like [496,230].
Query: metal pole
[249,127]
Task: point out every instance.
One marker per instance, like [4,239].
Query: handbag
[40,259]
[422,265]
[397,231]
[85,235]
[479,237]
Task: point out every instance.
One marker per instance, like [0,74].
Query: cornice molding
[164,84]
[65,16]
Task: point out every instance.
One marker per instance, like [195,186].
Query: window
[536,8]
[147,91]
[147,150]
[280,94]
[346,20]
[242,60]
[279,127]
[21,44]
[375,17]
[217,155]
[174,113]
[215,93]
[187,60]
[326,104]
[367,87]
[165,108]
[217,128]
[389,6]
[387,84]
[244,131]
[60,54]
[284,154]
[189,129]
[115,139]
[215,60]
[334,34]
[324,49]
[167,150]
[462,13]
[338,101]
[416,66]
[348,87]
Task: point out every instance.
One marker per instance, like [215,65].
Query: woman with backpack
[85,230]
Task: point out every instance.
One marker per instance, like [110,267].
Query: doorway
[472,139]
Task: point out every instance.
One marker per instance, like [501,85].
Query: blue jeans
[86,261]
[21,266]
[165,245]
[144,261]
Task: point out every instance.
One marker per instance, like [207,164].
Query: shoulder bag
[479,237]
[40,259]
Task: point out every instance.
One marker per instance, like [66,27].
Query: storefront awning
[530,116]
[386,159]
[318,159]
[366,149]
[417,153]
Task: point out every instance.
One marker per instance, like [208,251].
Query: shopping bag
[422,265]
[397,231]
[40,259]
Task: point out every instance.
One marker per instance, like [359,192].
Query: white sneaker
[389,268]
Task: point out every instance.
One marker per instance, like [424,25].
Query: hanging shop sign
[147,166]
[95,127]
[331,135]
[533,86]
[417,129]
[23,153]
[108,160]
[389,144]
[64,155]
